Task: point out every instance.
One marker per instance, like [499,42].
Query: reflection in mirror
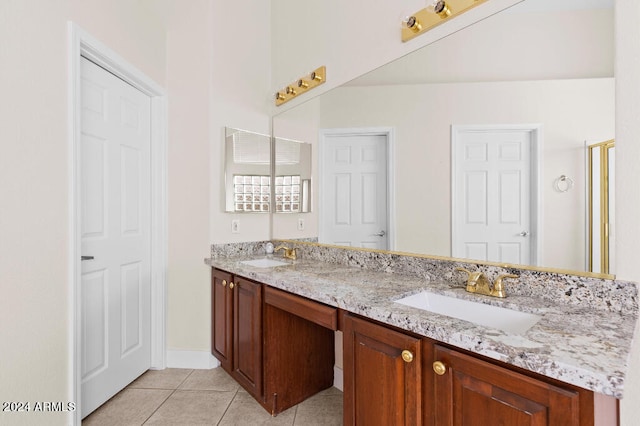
[601,184]
[541,64]
[292,176]
[247,171]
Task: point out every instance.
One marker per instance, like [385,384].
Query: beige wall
[628,176]
[188,90]
[214,74]
[350,38]
[240,94]
[34,233]
[217,76]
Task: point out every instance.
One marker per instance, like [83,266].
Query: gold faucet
[477,282]
[288,253]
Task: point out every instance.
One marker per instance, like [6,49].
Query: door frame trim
[387,132]
[80,43]
[536,175]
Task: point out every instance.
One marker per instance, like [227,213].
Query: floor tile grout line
[228,406]
[158,407]
[185,379]
[167,398]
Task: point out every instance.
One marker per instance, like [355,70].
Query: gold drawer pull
[224,283]
[439,368]
[407,356]
[231,285]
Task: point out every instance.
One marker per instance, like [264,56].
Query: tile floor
[205,397]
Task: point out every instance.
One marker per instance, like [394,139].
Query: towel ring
[563,183]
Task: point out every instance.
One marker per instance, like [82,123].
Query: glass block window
[251,193]
[287,194]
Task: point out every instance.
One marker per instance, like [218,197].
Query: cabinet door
[380,387]
[472,392]
[222,318]
[247,335]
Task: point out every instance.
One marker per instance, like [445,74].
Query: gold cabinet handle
[231,285]
[224,283]
[439,368]
[407,356]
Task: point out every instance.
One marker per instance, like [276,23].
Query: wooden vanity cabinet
[222,318]
[382,375]
[441,386]
[236,332]
[299,348]
[279,346]
[472,392]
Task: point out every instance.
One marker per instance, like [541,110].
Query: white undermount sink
[479,313]
[264,263]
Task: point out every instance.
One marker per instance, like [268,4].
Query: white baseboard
[338,381]
[199,360]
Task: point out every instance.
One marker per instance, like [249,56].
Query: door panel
[380,388]
[115,230]
[491,191]
[354,195]
[247,335]
[473,392]
[94,322]
[222,327]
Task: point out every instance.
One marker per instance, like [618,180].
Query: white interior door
[354,201]
[491,193]
[115,234]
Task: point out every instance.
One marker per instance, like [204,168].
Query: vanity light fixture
[436,12]
[308,82]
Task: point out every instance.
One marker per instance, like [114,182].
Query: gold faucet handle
[291,254]
[465,270]
[288,253]
[503,276]
[498,287]
[472,276]
[473,279]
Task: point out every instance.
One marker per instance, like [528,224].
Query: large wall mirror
[490,122]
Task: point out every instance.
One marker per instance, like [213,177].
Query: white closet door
[116,244]
[492,196]
[354,191]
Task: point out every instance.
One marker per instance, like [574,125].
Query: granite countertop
[575,344]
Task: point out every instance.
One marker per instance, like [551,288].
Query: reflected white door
[491,193]
[116,244]
[354,190]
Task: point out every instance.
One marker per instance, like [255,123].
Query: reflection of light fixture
[413,24]
[308,82]
[436,12]
[440,8]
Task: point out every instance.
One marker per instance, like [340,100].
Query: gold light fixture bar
[441,11]
[304,84]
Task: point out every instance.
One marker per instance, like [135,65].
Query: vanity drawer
[325,316]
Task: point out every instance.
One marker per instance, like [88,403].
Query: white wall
[215,75]
[628,177]
[350,38]
[188,89]
[241,98]
[34,199]
[571,111]
[300,124]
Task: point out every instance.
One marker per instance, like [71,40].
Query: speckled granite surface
[583,338]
